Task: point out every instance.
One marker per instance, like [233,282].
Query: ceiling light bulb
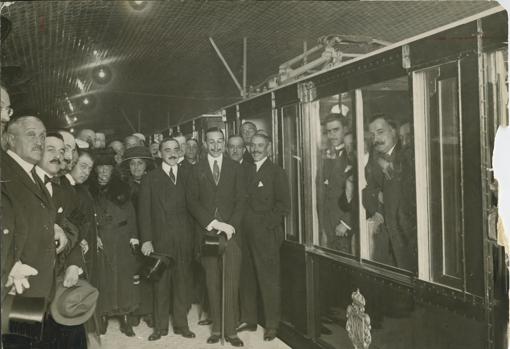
[86,101]
[95,52]
[75,119]
[101,74]
[72,130]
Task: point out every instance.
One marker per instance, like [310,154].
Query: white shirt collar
[211,160]
[340,147]
[181,159]
[70,179]
[260,163]
[25,165]
[166,168]
[41,173]
[391,150]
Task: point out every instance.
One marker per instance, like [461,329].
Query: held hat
[74,305]
[154,265]
[138,152]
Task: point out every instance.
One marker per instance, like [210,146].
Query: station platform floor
[114,339]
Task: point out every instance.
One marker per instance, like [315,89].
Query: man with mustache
[334,223]
[6,112]
[70,154]
[268,201]
[390,196]
[35,252]
[166,229]
[215,198]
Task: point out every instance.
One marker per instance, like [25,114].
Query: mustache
[55,161]
[37,147]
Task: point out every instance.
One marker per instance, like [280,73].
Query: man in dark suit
[390,196]
[334,222]
[248,130]
[35,251]
[166,229]
[215,197]
[268,201]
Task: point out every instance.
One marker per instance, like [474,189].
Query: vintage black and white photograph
[259,174]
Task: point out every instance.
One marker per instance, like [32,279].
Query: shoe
[325,330]
[185,332]
[235,341]
[213,339]
[155,335]
[103,326]
[247,327]
[269,334]
[148,320]
[125,327]
[205,322]
[133,320]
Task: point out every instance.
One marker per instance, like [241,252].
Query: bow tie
[53,180]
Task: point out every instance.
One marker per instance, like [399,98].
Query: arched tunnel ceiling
[164,67]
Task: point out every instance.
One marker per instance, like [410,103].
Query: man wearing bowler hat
[165,229]
[215,197]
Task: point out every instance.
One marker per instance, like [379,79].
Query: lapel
[259,174]
[23,177]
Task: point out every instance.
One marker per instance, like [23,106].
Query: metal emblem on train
[358,322]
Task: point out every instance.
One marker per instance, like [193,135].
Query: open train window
[440,179]
[290,158]
[387,197]
[336,202]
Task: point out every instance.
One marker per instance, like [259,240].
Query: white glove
[61,237]
[134,241]
[147,248]
[72,275]
[18,277]
[84,246]
[341,230]
[226,228]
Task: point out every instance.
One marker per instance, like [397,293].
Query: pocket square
[260,184]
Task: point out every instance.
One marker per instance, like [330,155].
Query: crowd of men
[76,209]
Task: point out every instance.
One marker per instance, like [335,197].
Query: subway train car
[392,239]
[446,92]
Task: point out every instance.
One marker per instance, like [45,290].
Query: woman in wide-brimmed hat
[117,229]
[136,162]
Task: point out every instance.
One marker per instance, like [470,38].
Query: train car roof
[162,64]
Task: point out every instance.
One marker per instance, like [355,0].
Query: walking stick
[223,299]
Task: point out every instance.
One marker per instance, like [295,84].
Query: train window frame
[427,268]
[280,157]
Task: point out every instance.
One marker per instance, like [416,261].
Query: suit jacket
[332,184]
[399,207]
[163,216]
[207,201]
[268,194]
[66,202]
[34,238]
[8,222]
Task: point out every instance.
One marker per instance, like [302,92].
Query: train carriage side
[389,242]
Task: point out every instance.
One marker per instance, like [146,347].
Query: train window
[336,175]
[441,192]
[388,209]
[291,160]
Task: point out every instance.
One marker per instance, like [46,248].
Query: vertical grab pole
[222,298]
[245,67]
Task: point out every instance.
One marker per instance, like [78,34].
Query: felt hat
[138,152]
[74,305]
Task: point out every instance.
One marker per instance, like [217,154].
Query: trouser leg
[180,275]
[248,287]
[232,275]
[266,258]
[162,301]
[213,282]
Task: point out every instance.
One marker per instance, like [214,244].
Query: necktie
[54,180]
[38,181]
[216,172]
[171,174]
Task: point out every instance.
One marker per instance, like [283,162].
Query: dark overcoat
[34,242]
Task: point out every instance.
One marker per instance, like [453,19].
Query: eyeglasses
[9,110]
